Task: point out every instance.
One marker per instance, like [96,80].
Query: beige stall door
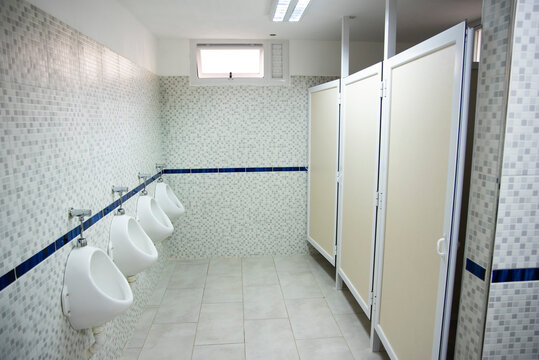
[424,104]
[324,118]
[360,173]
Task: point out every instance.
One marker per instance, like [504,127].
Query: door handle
[440,247]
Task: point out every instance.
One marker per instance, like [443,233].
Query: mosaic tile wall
[504,233]
[238,126]
[484,184]
[512,324]
[76,118]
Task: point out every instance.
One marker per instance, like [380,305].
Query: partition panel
[323,152]
[357,193]
[420,140]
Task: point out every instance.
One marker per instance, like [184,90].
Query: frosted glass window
[230,61]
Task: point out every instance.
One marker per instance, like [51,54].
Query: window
[239,62]
[219,61]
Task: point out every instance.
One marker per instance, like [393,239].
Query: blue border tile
[204,171]
[511,275]
[475,269]
[229,170]
[67,237]
[34,260]
[234,170]
[7,279]
[176,171]
[262,169]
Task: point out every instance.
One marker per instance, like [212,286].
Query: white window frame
[267,79]
[225,75]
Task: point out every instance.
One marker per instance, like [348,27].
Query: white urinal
[153,219]
[95,291]
[133,249]
[168,201]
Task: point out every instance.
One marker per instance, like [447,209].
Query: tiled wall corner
[512,325]
[484,185]
[76,118]
[237,126]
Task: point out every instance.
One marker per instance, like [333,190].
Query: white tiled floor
[263,308]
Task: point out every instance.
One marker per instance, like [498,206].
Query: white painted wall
[173,57]
[311,57]
[110,24]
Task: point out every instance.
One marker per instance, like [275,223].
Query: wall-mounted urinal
[95,291]
[153,219]
[134,251]
[168,201]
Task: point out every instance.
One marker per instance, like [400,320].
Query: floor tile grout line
[331,311]
[243,310]
[148,332]
[200,310]
[153,319]
[286,308]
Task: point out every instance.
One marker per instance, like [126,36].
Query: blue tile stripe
[234,170]
[14,274]
[475,269]
[503,275]
[510,275]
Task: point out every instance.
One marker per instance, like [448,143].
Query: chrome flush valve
[160,167]
[80,213]
[144,178]
[120,190]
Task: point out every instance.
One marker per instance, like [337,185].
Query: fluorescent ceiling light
[280,10]
[298,10]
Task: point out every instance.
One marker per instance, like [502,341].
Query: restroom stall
[402,145]
[358,197]
[323,166]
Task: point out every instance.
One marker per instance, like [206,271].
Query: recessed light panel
[280,10]
[298,10]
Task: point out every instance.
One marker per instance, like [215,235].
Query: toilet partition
[323,166]
[360,141]
[420,189]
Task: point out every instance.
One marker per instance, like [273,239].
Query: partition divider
[323,166]
[360,144]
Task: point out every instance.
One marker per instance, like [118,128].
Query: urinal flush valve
[160,167]
[120,190]
[144,178]
[80,213]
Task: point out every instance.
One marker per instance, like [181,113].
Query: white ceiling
[250,19]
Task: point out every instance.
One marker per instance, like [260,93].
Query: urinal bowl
[168,201]
[153,219]
[134,251]
[95,291]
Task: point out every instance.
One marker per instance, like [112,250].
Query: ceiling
[250,19]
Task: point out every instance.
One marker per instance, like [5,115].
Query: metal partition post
[345,70]
[390,30]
